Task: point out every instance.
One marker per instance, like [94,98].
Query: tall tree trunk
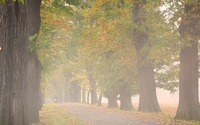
[112,101]
[77,92]
[68,88]
[188,107]
[34,66]
[13,79]
[33,87]
[147,88]
[83,95]
[125,98]
[93,92]
[92,86]
[99,100]
[88,98]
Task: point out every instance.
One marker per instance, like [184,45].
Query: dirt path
[92,116]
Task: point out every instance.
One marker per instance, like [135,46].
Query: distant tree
[93,88]
[125,98]
[72,89]
[100,99]
[112,100]
[51,45]
[68,97]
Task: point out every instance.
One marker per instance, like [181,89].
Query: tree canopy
[116,49]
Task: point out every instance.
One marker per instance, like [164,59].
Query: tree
[68,88]
[125,98]
[34,65]
[188,107]
[14,51]
[93,89]
[147,87]
[106,39]
[72,88]
[112,101]
[51,44]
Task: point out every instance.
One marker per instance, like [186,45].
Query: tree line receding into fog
[77,49]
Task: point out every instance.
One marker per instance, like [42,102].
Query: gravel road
[92,116]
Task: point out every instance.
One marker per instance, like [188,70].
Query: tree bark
[88,99]
[34,66]
[147,88]
[14,51]
[92,86]
[125,98]
[83,95]
[77,92]
[99,100]
[188,107]
[93,90]
[33,87]
[68,88]
[112,101]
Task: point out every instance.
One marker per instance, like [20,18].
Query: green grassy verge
[52,114]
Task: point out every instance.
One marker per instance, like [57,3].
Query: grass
[52,114]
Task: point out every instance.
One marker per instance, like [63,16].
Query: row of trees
[130,47]
[116,47]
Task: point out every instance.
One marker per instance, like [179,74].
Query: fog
[163,96]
